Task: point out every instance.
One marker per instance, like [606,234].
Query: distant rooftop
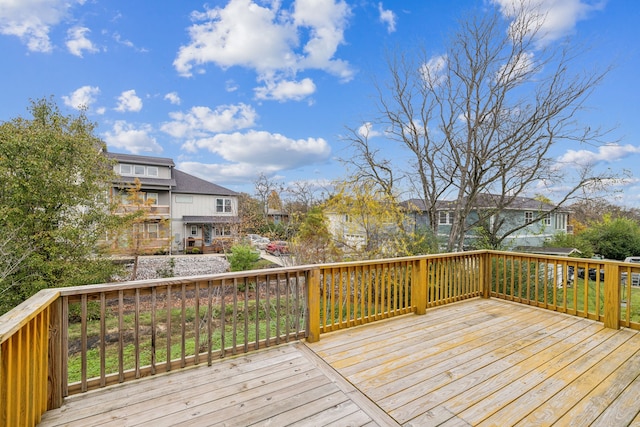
[147,160]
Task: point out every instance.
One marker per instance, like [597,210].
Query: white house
[184,211]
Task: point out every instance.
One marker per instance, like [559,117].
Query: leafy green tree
[614,238]
[53,204]
[242,257]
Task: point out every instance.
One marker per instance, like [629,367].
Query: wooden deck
[478,362]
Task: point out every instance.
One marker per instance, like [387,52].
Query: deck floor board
[476,362]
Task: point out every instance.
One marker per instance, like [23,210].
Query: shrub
[242,257]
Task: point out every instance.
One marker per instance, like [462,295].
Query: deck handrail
[248,310]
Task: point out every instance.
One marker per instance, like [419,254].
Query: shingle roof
[210,219]
[486,201]
[186,183]
[146,160]
[543,250]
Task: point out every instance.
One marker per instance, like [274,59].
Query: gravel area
[154,267]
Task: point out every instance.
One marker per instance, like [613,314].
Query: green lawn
[263,318]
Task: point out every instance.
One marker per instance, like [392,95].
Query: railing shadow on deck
[71,340]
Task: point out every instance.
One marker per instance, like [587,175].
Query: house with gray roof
[184,212]
[535,220]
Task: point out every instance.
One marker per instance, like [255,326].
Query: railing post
[611,296]
[485,274]
[55,360]
[313,304]
[419,291]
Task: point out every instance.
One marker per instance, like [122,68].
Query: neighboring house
[345,230]
[277,216]
[522,211]
[184,212]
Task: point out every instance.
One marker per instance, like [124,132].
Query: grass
[572,293]
[266,321]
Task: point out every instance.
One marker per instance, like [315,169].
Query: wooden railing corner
[485,274]
[419,291]
[611,296]
[313,304]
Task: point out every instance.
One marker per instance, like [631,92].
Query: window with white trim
[547,219]
[528,217]
[152,231]
[222,231]
[445,218]
[138,170]
[194,230]
[152,171]
[223,205]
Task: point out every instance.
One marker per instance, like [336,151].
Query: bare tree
[265,190]
[482,117]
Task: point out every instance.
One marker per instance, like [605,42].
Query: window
[194,230]
[152,198]
[184,199]
[152,171]
[547,219]
[223,205]
[561,222]
[125,169]
[152,230]
[528,217]
[222,231]
[138,170]
[445,217]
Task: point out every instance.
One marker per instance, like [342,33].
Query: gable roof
[186,183]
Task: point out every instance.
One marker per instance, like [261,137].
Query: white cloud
[274,42]
[286,90]
[388,18]
[230,86]
[77,42]
[82,97]
[129,101]
[128,43]
[202,121]
[434,71]
[133,139]
[32,20]
[238,173]
[367,131]
[265,151]
[173,98]
[242,33]
[606,153]
[519,69]
[555,18]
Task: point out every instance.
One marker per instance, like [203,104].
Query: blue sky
[231,89]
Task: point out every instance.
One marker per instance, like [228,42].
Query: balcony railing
[71,340]
[153,211]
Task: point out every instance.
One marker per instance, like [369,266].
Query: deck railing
[71,340]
